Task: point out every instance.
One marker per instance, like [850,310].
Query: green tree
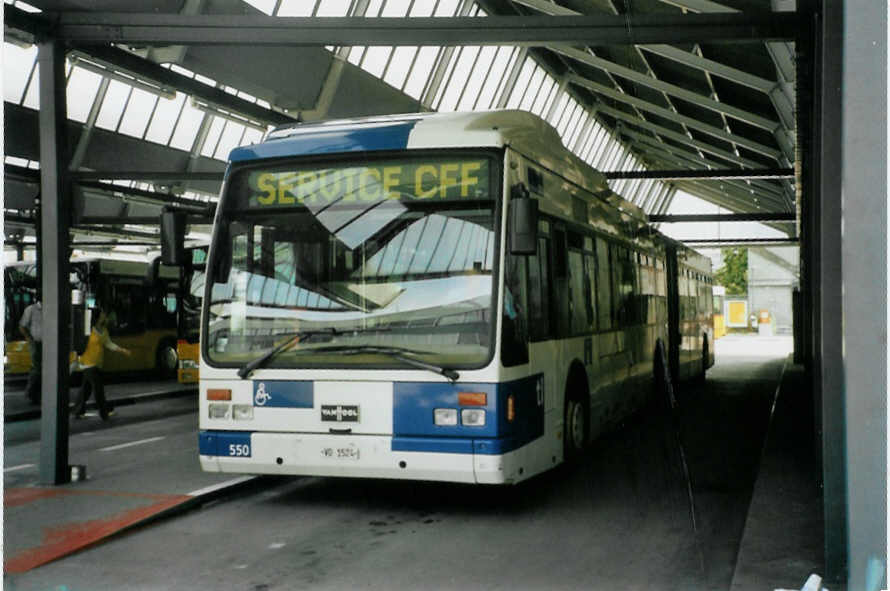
[733,275]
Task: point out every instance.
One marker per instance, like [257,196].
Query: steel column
[55,215]
[864,252]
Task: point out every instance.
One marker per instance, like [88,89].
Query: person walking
[31,327]
[91,363]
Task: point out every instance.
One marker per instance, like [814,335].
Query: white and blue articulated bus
[450,297]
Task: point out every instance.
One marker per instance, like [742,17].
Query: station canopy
[663,96]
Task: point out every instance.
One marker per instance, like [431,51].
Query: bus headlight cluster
[445,417]
[469,417]
[188,364]
[242,412]
[472,417]
[218,411]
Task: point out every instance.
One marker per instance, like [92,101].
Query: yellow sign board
[411,180]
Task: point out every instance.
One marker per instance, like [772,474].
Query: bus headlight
[242,412]
[472,417]
[188,364]
[218,411]
[445,417]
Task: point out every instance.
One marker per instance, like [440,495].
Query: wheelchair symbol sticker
[261,397]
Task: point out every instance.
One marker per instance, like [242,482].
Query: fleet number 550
[239,449]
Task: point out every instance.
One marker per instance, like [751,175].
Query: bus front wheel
[576,425]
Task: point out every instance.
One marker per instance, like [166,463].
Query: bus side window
[514,325]
[603,285]
[539,295]
[560,284]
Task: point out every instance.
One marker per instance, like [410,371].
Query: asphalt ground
[624,517]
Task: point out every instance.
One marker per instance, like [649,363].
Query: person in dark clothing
[91,363]
[31,327]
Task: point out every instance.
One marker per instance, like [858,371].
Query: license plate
[350,452]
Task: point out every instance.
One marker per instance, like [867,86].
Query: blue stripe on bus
[283,394]
[385,135]
[216,443]
[413,426]
[447,445]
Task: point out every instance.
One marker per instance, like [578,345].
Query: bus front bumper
[367,456]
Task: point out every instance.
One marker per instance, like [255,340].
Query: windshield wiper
[260,361]
[395,353]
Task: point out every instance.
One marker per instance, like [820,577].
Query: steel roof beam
[678,137]
[179,29]
[682,119]
[716,68]
[668,88]
[148,176]
[695,159]
[763,191]
[723,217]
[670,175]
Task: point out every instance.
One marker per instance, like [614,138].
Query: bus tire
[577,419]
[705,357]
[166,358]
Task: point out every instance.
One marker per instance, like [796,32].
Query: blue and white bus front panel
[486,432]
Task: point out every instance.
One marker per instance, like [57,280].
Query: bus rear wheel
[166,359]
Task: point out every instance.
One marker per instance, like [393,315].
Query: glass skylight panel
[160,130]
[18,62]
[213,135]
[447,8]
[187,127]
[420,73]
[449,61]
[139,109]
[523,82]
[530,92]
[251,136]
[333,8]
[478,75]
[296,8]
[396,8]
[423,8]
[375,60]
[497,77]
[459,78]
[542,99]
[555,91]
[113,105]
[397,73]
[229,140]
[81,92]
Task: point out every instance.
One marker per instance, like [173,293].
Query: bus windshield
[354,261]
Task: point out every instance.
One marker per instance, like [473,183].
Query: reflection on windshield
[395,271]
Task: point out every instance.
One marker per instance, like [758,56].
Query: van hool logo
[339,413]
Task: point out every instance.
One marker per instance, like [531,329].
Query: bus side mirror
[523,222]
[173,237]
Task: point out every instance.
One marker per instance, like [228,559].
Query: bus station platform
[17,407]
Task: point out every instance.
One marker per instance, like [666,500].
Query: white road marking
[131,444]
[276,546]
[215,487]
[16,468]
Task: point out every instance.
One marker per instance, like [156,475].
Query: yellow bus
[142,312]
[191,282]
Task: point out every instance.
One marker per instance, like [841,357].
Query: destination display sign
[442,179]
